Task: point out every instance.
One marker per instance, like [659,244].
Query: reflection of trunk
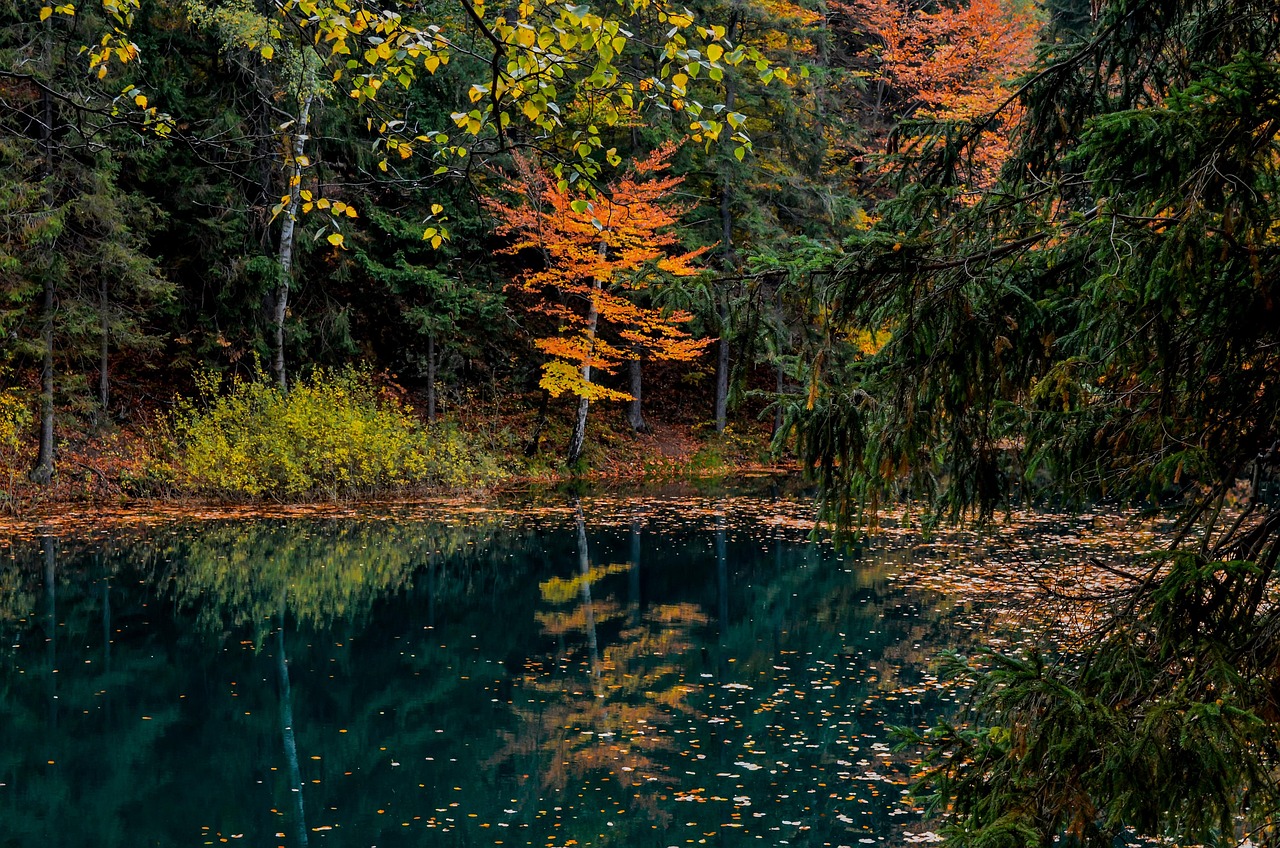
[106,624]
[48,547]
[580,423]
[431,378]
[431,590]
[588,610]
[633,581]
[288,229]
[106,642]
[286,732]
[635,416]
[722,576]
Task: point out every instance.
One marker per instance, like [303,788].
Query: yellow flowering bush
[14,419]
[333,435]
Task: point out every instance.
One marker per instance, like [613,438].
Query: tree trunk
[288,229]
[535,440]
[579,437]
[635,416]
[431,378]
[729,260]
[104,316]
[780,373]
[722,376]
[42,474]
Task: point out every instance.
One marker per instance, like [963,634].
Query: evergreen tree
[1104,319]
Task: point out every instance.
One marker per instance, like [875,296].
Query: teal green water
[663,673]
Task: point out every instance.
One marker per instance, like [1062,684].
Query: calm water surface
[664,672]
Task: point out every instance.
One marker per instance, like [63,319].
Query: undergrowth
[335,434]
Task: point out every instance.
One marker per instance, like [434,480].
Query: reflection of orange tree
[603,709]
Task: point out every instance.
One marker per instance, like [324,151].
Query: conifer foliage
[1099,325]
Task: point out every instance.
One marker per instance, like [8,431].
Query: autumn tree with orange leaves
[947,63]
[599,253]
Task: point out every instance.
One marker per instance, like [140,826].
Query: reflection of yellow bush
[333,435]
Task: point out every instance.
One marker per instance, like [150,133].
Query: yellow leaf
[306,194]
[141,100]
[46,12]
[335,239]
[431,63]
[384,50]
[322,203]
[435,241]
[436,209]
[351,212]
[714,52]
[268,52]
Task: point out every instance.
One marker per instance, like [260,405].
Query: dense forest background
[267,189]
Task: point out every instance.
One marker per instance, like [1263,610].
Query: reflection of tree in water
[599,705]
[237,574]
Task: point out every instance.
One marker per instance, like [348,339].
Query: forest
[498,217]
[963,255]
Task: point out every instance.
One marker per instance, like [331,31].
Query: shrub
[15,417]
[334,435]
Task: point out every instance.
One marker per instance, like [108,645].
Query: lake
[679,669]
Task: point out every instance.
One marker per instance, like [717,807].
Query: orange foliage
[951,63]
[600,252]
